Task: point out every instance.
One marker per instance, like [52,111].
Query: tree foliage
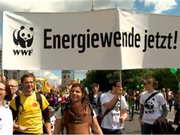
[132,78]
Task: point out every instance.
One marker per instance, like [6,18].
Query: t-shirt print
[149,106]
[115,112]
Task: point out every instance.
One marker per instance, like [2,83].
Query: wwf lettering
[117,39]
[23,52]
[149,112]
[115,114]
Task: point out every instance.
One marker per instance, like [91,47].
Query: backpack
[65,106]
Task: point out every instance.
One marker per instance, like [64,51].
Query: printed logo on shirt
[117,106]
[116,112]
[150,106]
[34,105]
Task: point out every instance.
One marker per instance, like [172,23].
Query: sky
[169,7]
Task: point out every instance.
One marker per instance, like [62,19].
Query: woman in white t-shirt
[6,120]
[150,109]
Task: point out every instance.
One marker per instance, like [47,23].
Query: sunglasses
[12,86]
[144,83]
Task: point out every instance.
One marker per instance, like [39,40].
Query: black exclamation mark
[175,39]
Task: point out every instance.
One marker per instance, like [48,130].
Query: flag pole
[2,73]
[120,78]
[3,78]
[92,9]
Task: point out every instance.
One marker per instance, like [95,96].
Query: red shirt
[63,99]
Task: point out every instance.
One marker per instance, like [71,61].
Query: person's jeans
[170,104]
[137,105]
[146,129]
[112,131]
[131,112]
[19,133]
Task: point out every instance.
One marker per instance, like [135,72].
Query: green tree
[131,78]
[166,79]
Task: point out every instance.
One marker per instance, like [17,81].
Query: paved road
[133,127]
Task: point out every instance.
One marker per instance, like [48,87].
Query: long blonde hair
[151,80]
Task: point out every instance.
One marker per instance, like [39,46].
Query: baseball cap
[95,85]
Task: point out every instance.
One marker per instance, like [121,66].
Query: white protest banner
[104,39]
[153,41]
[60,40]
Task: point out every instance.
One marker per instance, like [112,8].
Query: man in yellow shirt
[29,117]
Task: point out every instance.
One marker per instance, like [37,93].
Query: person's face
[95,89]
[13,86]
[118,87]
[76,94]
[28,84]
[2,91]
[168,90]
[147,85]
[131,93]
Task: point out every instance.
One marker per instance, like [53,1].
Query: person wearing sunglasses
[13,84]
[151,101]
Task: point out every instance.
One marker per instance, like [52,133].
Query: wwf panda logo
[150,104]
[23,37]
[117,106]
